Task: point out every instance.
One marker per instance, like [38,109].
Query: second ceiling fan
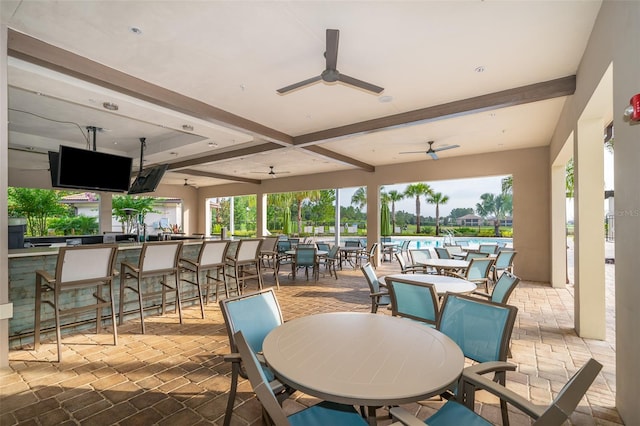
[331,74]
[431,151]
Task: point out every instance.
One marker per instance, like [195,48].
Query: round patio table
[443,284]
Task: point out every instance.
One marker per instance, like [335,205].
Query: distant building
[469,220]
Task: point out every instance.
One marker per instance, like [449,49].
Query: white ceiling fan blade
[432,154]
[446,147]
[413,152]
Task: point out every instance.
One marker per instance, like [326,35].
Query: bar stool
[156,259]
[246,263]
[78,268]
[211,259]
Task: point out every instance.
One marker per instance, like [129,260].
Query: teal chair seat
[326,413]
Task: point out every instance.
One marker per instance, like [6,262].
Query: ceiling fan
[186,183]
[431,151]
[272,173]
[331,74]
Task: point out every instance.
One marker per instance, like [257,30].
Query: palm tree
[437,198]
[393,197]
[359,198]
[497,205]
[299,198]
[417,190]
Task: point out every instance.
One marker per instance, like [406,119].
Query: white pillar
[232,207]
[261,215]
[590,307]
[558,226]
[105,213]
[207,217]
[337,216]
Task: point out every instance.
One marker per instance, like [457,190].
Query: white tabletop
[363,359]
[442,283]
[445,263]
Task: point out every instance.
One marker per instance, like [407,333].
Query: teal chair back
[333,252]
[417,301]
[481,328]
[475,255]
[442,253]
[284,245]
[372,279]
[504,287]
[479,268]
[323,246]
[255,314]
[505,259]
[305,256]
[488,248]
[352,243]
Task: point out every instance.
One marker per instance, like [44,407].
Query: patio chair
[504,262]
[478,271]
[254,314]
[405,269]
[269,256]
[305,257]
[418,256]
[156,259]
[79,270]
[475,255]
[502,289]
[368,257]
[331,260]
[442,253]
[488,248]
[454,413]
[323,246]
[379,297]
[404,248]
[324,413]
[416,301]
[246,263]
[483,330]
[211,259]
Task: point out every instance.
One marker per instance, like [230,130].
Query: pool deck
[175,373]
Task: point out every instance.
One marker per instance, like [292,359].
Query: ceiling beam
[194,172]
[256,149]
[29,49]
[340,158]
[520,95]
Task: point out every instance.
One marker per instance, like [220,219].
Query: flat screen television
[148,179]
[53,167]
[92,170]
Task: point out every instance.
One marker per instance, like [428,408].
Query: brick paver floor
[175,374]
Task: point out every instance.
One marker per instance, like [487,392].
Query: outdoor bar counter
[22,283]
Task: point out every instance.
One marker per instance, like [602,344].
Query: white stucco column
[261,215]
[373,218]
[105,213]
[337,216]
[590,307]
[558,226]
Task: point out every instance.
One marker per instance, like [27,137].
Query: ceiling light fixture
[480,69]
[135,30]
[385,99]
[212,145]
[110,106]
